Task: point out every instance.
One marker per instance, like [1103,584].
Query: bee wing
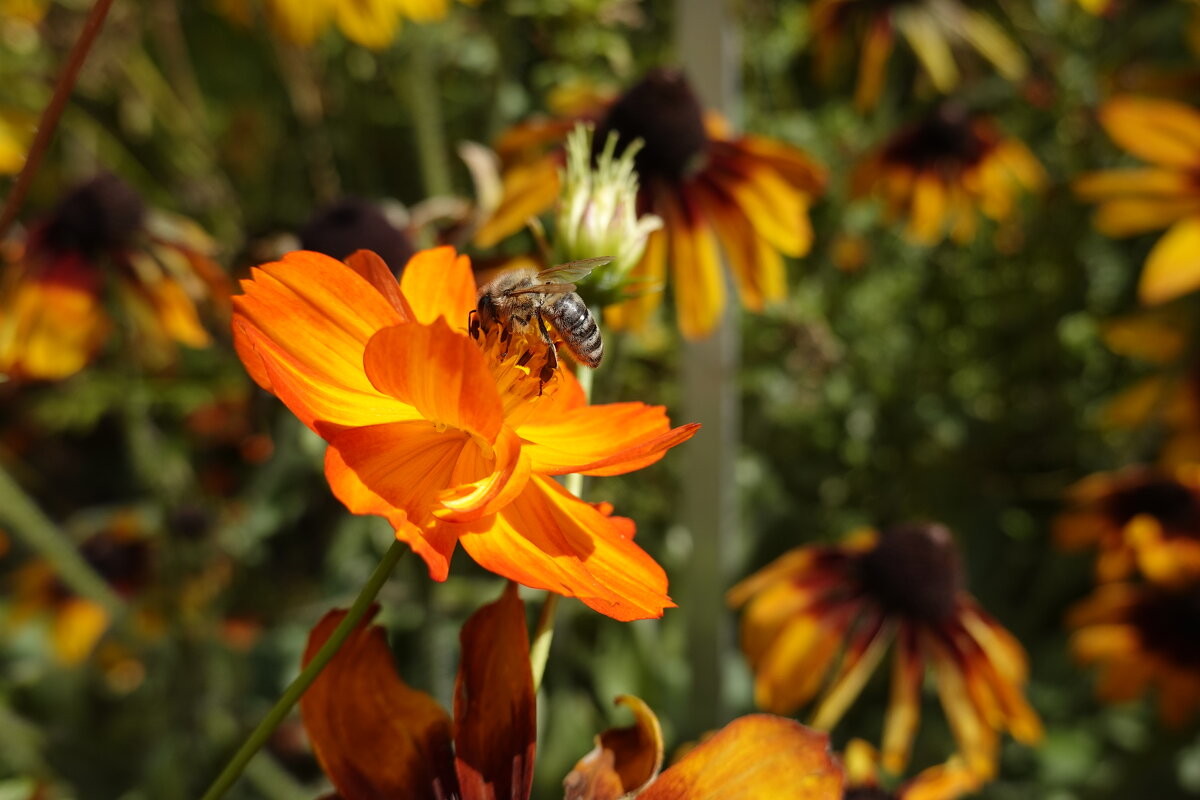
[572,270]
[545,288]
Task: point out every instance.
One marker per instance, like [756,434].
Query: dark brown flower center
[1168,623]
[915,570]
[947,141]
[662,111]
[1174,505]
[867,793]
[351,224]
[99,216]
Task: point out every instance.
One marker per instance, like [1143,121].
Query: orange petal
[696,276]
[859,661]
[757,267]
[650,274]
[792,163]
[607,439]
[443,374]
[623,761]
[78,625]
[495,707]
[947,781]
[1173,266]
[793,668]
[375,737]
[529,189]
[379,274]
[1159,131]
[440,283]
[772,205]
[1133,215]
[1113,183]
[876,50]
[904,706]
[549,539]
[755,757]
[51,325]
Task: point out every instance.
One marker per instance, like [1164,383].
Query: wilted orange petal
[756,757]
[440,372]
[1173,266]
[904,705]
[1159,131]
[943,782]
[495,717]
[375,737]
[607,439]
[623,761]
[437,283]
[549,539]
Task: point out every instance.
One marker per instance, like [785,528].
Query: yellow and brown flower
[102,236]
[1165,194]
[745,195]
[371,23]
[1140,518]
[932,28]
[1142,637]
[904,585]
[941,173]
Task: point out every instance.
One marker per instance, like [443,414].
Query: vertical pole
[709,51]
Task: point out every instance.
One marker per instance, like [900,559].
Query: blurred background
[917,369]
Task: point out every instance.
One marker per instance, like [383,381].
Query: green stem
[427,117]
[35,529]
[309,674]
[539,651]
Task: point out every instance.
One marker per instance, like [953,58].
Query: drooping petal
[1173,266]
[1159,131]
[623,761]
[773,206]
[375,737]
[793,668]
[439,283]
[648,278]
[1150,181]
[495,715]
[529,189]
[942,782]
[696,276]
[1128,216]
[440,372]
[904,706]
[549,539]
[755,757]
[858,664]
[876,50]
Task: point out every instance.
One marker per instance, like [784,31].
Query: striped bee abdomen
[570,317]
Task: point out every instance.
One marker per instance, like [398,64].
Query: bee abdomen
[578,329]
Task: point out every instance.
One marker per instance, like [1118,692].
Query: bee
[525,300]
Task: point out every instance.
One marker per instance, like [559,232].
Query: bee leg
[473,323]
[523,360]
[551,354]
[505,334]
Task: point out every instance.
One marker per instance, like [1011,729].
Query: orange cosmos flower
[904,585]
[747,195]
[1165,194]
[944,171]
[930,27]
[375,737]
[948,781]
[52,319]
[1142,637]
[1140,517]
[452,440]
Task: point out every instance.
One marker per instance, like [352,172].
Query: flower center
[101,215]
[1167,622]
[947,142]
[352,224]
[524,366]
[914,570]
[1174,505]
[663,112]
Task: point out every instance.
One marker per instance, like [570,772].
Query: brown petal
[755,757]
[375,737]
[495,719]
[623,761]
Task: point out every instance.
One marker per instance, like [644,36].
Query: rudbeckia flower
[352,223]
[932,28]
[1139,518]
[1142,636]
[371,23]
[1164,194]
[904,585]
[453,440]
[745,195]
[944,171]
[101,236]
[948,781]
[376,737]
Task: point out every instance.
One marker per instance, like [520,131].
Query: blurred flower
[1097,6]
[1165,195]
[948,781]
[932,29]
[16,132]
[942,172]
[1138,517]
[452,439]
[371,23]
[597,212]
[375,737]
[748,194]
[904,585]
[1142,636]
[350,224]
[52,319]
[119,553]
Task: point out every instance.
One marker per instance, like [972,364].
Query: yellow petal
[1159,131]
[1173,266]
